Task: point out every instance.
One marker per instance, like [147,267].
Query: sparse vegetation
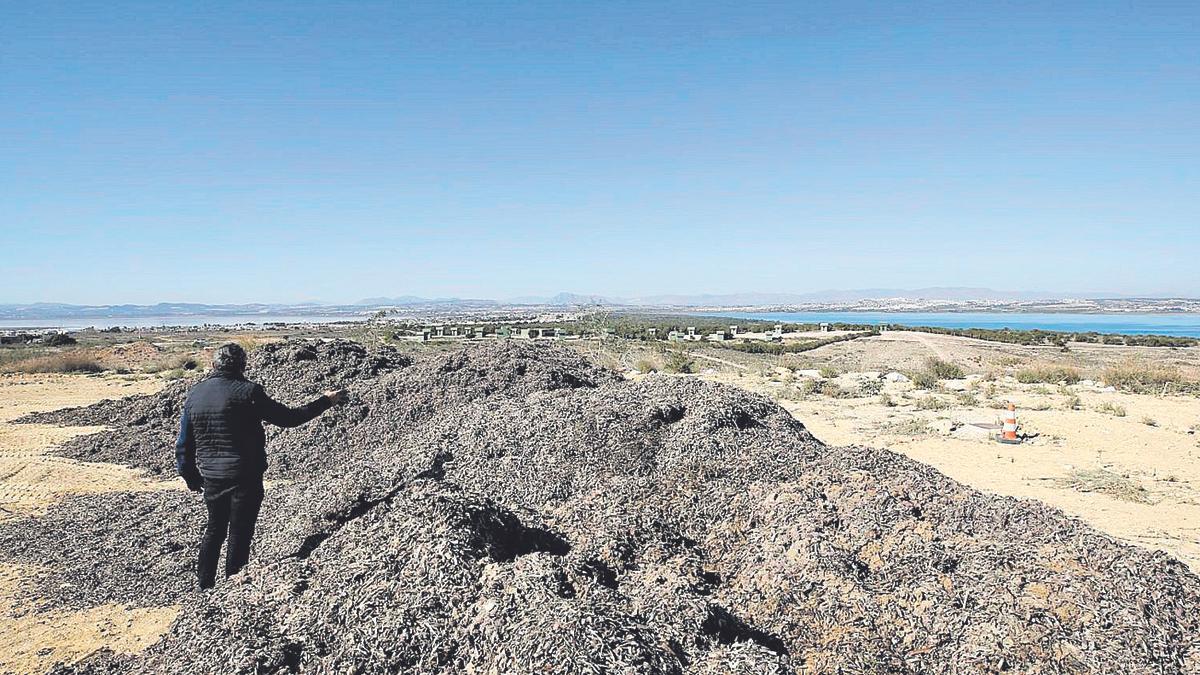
[934,371]
[1072,403]
[829,371]
[1048,374]
[966,398]
[923,379]
[910,427]
[886,400]
[807,387]
[834,390]
[59,340]
[1106,482]
[250,343]
[1057,338]
[645,366]
[943,370]
[679,362]
[1111,408]
[75,361]
[763,347]
[870,387]
[1144,378]
[183,362]
[932,403]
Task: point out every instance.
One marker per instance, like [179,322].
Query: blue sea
[1180,325]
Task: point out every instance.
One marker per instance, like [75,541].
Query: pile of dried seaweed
[513,508]
[293,372]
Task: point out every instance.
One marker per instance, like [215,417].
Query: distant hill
[566,300]
[751,298]
[406,300]
[53,310]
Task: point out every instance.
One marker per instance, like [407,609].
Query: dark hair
[230,358]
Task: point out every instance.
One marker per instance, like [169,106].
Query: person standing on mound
[221,452]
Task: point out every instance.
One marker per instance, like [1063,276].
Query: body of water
[1179,325]
[160,321]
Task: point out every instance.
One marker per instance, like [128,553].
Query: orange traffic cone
[1009,433]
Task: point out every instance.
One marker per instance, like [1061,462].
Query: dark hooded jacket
[221,432]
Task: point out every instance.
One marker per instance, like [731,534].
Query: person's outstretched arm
[185,455]
[274,412]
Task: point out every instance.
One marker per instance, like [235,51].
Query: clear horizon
[258,152]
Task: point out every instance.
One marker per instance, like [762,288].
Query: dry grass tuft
[1106,482]
[1046,373]
[932,403]
[74,361]
[1143,378]
[943,370]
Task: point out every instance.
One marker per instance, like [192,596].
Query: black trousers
[233,505]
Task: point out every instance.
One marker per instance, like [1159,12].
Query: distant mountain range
[738,299]
[977,298]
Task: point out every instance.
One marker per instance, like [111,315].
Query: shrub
[645,366]
[777,348]
[912,427]
[1073,403]
[966,398]
[66,362]
[807,387]
[870,387]
[1111,409]
[1142,378]
[58,340]
[943,370]
[1051,374]
[1105,482]
[250,343]
[1149,421]
[886,400]
[932,403]
[832,390]
[923,379]
[829,371]
[678,362]
[176,362]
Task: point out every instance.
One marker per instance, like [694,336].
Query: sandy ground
[1152,452]
[30,481]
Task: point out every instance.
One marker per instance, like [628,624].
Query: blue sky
[289,151]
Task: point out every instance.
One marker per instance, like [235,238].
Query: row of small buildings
[428,333]
[731,333]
